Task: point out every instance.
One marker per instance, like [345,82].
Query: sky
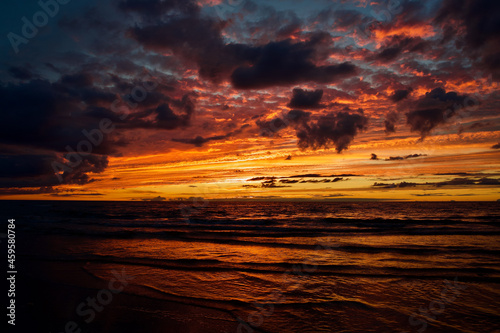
[250,100]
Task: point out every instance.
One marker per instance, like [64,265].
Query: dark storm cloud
[481,19]
[63,116]
[338,129]
[304,99]
[286,63]
[496,146]
[17,191]
[434,109]
[198,39]
[390,122]
[343,19]
[346,18]
[155,8]
[48,115]
[21,73]
[162,116]
[75,81]
[36,170]
[40,116]
[298,116]
[80,174]
[292,118]
[272,24]
[191,36]
[401,94]
[389,54]
[396,45]
[23,165]
[195,39]
[80,87]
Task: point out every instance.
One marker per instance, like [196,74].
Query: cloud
[58,194]
[198,40]
[194,38]
[271,183]
[50,115]
[401,94]
[460,182]
[337,129]
[390,122]
[289,181]
[488,181]
[155,8]
[37,170]
[272,24]
[456,181]
[396,46]
[414,156]
[21,73]
[395,185]
[199,141]
[346,18]
[374,157]
[18,191]
[158,198]
[286,63]
[475,25]
[293,118]
[304,99]
[400,158]
[334,180]
[45,120]
[434,109]
[259,179]
[496,146]
[162,116]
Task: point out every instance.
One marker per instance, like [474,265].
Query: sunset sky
[233,99]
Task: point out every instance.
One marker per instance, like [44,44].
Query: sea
[287,266]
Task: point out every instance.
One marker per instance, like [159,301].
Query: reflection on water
[336,266]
